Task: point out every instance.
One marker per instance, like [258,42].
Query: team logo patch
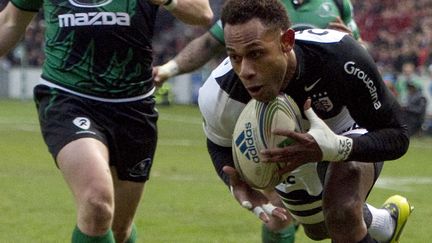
[141,169]
[322,102]
[82,122]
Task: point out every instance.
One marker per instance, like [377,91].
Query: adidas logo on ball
[246,144]
[253,132]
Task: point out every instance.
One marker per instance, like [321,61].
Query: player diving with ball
[354,123]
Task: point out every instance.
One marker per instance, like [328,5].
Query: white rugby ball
[253,132]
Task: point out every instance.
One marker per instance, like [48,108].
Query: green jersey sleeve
[347,16]
[217,32]
[28,5]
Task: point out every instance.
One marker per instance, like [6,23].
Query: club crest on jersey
[82,122]
[322,102]
[141,169]
[89,3]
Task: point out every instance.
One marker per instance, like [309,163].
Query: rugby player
[95,103]
[355,123]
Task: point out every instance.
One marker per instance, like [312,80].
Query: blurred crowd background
[398,35]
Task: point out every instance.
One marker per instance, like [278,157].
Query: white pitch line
[180,118]
[402,183]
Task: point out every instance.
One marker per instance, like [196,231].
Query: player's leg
[127,198]
[131,158]
[346,187]
[84,165]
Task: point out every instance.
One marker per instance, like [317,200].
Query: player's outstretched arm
[194,12]
[252,199]
[13,24]
[193,56]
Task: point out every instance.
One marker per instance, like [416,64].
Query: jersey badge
[82,122]
[322,102]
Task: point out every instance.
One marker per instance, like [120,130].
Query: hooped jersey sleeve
[219,110]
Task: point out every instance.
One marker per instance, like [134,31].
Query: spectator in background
[415,108]
[408,75]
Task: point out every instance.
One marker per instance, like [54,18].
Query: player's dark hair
[271,13]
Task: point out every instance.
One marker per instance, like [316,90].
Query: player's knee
[98,209]
[343,218]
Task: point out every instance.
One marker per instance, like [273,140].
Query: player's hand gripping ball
[253,132]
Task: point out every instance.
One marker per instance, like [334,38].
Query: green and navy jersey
[98,48]
[309,14]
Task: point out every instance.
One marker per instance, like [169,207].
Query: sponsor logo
[351,69]
[246,144]
[94,18]
[82,122]
[141,169]
[309,88]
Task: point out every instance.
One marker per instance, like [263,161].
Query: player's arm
[13,24]
[193,56]
[194,12]
[373,107]
[347,17]
[370,104]
[248,197]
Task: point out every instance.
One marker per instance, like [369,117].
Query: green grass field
[184,201]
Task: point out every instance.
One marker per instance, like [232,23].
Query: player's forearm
[220,157]
[13,23]
[197,53]
[380,145]
[194,12]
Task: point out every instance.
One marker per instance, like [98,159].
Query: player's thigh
[127,197]
[347,182]
[84,165]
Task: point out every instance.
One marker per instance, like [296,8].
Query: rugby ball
[253,132]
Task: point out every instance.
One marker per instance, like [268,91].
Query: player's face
[260,57]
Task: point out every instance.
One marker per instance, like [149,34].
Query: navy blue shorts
[128,129]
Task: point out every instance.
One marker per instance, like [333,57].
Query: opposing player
[95,102]
[355,124]
[336,14]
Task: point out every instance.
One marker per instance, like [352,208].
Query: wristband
[170,5]
[169,69]
[333,147]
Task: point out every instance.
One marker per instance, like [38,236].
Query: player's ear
[287,40]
